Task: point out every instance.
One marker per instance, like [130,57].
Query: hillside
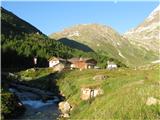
[13,25]
[147,33]
[20,42]
[101,38]
[125,93]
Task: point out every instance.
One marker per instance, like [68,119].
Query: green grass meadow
[125,93]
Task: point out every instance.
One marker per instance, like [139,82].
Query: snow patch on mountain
[153,13]
[156,9]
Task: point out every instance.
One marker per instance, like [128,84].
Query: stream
[36,108]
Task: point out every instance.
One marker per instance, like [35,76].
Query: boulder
[152,101]
[85,93]
[66,115]
[33,69]
[88,93]
[12,75]
[97,92]
[65,108]
[99,77]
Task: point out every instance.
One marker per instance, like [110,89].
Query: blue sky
[52,17]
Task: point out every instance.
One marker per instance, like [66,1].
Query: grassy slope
[125,93]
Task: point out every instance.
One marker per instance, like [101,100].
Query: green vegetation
[35,73]
[37,45]
[42,78]
[125,93]
[10,107]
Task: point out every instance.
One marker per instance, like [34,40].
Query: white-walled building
[58,63]
[53,61]
[111,65]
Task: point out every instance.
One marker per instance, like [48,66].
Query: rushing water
[36,109]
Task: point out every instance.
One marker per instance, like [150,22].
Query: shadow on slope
[75,44]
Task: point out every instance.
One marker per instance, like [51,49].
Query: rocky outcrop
[100,77]
[88,93]
[65,108]
[152,101]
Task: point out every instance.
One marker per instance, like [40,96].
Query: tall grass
[125,93]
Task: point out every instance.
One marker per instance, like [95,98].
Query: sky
[50,17]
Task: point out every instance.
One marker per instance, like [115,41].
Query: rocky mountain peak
[150,23]
[147,33]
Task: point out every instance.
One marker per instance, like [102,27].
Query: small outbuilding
[111,65]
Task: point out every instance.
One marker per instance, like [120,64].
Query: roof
[79,59]
[73,59]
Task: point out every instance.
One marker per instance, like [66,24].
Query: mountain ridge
[102,38]
[147,33]
[12,24]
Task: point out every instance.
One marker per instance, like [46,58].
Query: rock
[99,77]
[85,93]
[38,113]
[64,108]
[97,92]
[88,93]
[65,115]
[12,75]
[152,101]
[20,104]
[33,69]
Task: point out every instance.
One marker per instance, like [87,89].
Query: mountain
[104,39]
[12,25]
[147,34]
